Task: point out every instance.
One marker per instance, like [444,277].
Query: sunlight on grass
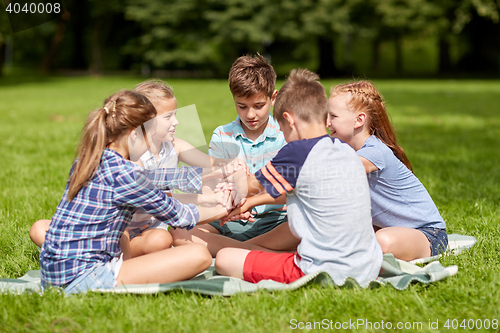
[449,130]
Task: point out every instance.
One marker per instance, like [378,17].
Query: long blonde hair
[121,113]
[155,90]
[366,98]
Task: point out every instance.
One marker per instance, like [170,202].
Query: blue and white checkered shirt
[87,230]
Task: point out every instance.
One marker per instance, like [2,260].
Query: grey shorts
[438,239]
[244,230]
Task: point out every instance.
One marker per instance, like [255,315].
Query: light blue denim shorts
[134,232]
[100,276]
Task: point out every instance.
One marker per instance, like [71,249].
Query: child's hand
[211,199]
[233,166]
[240,165]
[236,189]
[227,192]
[241,188]
[240,213]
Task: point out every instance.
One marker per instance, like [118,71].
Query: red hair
[366,98]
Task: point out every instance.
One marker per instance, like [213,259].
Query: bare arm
[199,199]
[210,214]
[190,155]
[369,166]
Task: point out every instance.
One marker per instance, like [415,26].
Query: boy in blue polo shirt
[324,185]
[255,138]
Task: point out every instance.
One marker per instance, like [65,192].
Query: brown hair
[155,89]
[365,97]
[121,113]
[304,96]
[250,75]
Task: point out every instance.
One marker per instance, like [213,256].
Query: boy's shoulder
[299,147]
[327,148]
[231,129]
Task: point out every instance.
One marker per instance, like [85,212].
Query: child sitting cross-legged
[324,185]
[253,137]
[407,221]
[146,233]
[84,244]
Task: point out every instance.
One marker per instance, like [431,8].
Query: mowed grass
[449,130]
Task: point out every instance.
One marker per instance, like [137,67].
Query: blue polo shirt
[230,141]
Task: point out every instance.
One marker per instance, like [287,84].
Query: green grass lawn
[450,131]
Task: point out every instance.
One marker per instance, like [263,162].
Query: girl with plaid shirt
[84,248]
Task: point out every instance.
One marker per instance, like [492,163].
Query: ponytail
[122,112]
[365,97]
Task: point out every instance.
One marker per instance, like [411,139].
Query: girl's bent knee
[38,231]
[159,240]
[385,241]
[202,255]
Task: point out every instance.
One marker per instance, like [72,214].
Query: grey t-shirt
[328,203]
[398,198]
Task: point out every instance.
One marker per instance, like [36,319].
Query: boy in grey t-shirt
[324,185]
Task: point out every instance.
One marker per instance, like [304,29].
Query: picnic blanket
[396,273]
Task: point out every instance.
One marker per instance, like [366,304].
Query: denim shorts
[100,276]
[244,230]
[438,239]
[155,225]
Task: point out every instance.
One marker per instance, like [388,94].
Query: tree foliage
[208,35]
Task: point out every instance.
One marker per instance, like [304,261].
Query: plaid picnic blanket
[396,273]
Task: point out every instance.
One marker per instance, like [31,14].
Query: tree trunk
[46,64]
[2,57]
[444,56]
[327,66]
[377,42]
[96,45]
[399,53]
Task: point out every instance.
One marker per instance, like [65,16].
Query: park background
[201,38]
[437,63]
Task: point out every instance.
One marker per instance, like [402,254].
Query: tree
[175,33]
[4,32]
[395,19]
[259,24]
[455,16]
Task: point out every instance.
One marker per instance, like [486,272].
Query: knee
[222,260]
[385,241]
[38,231]
[200,255]
[160,240]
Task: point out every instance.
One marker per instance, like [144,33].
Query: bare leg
[279,239]
[125,246]
[151,240]
[404,243]
[230,262]
[214,242]
[170,265]
[183,237]
[38,231]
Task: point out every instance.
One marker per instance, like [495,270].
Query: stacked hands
[231,191]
